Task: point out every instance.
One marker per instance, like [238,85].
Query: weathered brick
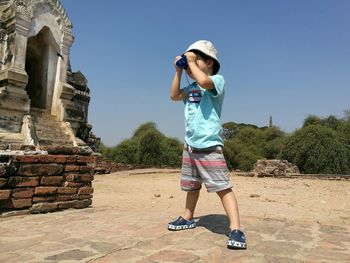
[8,170]
[81,197]
[18,181]
[71,177]
[5,158]
[85,190]
[3,146]
[86,169]
[6,204]
[22,193]
[72,168]
[44,207]
[54,159]
[66,197]
[67,204]
[79,178]
[43,199]
[45,190]
[71,159]
[21,203]
[16,213]
[5,194]
[72,184]
[86,159]
[51,180]
[3,182]
[2,170]
[85,178]
[56,149]
[21,147]
[26,158]
[66,190]
[82,203]
[82,151]
[40,169]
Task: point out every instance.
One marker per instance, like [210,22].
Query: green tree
[247,157]
[171,152]
[312,120]
[104,150]
[149,148]
[347,115]
[144,128]
[332,122]
[125,152]
[317,149]
[245,148]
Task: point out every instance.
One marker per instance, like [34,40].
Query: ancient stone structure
[41,101]
[274,168]
[44,134]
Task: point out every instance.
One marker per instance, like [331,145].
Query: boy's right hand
[176,67]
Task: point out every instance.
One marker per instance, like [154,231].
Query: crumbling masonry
[46,144]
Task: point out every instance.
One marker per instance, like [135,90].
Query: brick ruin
[46,144]
[39,183]
[274,168]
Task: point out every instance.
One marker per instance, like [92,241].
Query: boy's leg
[186,222]
[236,238]
[191,183]
[191,202]
[229,203]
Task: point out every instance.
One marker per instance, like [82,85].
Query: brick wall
[39,183]
[104,166]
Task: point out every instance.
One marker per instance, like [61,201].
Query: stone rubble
[274,168]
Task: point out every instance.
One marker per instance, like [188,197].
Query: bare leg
[229,203]
[191,202]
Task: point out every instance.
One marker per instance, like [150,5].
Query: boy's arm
[200,77]
[175,91]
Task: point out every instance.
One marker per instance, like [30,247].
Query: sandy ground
[303,200]
[285,220]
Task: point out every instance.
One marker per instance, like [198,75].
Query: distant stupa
[270,122]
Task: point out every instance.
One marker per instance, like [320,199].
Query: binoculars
[182,62]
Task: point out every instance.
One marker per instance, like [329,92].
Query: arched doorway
[41,64]
[34,87]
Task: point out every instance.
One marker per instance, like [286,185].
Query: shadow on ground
[215,223]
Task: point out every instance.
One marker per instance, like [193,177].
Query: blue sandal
[181,224]
[236,240]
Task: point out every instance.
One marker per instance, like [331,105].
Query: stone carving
[57,8]
[9,50]
[22,6]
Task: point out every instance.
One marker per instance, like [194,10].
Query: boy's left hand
[191,57]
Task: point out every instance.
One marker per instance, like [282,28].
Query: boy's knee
[223,192]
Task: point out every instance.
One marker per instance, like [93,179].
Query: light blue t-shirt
[203,112]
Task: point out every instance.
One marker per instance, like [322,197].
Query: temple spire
[270,121]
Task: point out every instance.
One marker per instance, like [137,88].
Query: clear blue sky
[287,58]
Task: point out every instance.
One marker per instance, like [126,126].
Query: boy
[203,159]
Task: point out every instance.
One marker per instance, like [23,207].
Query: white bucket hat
[208,49]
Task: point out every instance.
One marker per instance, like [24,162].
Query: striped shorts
[204,165]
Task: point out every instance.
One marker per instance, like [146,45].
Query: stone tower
[45,162]
[42,102]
